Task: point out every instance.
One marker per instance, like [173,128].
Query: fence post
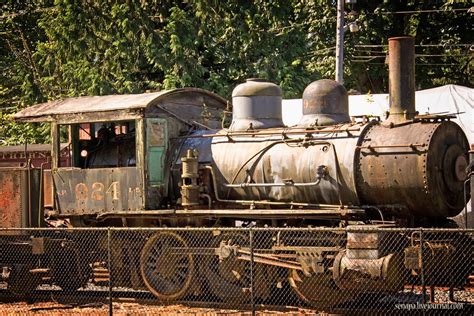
[252,295]
[109,267]
[422,270]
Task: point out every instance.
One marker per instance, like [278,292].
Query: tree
[53,49]
[20,76]
[442,56]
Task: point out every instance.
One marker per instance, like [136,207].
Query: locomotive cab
[119,146]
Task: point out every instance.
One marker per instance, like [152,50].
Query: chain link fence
[357,269]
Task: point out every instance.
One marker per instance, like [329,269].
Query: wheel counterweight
[228,273]
[318,290]
[167,270]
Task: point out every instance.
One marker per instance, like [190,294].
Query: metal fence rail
[155,270]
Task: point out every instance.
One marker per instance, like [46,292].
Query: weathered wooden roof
[124,106]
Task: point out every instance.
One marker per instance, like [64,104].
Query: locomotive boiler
[408,167]
[161,159]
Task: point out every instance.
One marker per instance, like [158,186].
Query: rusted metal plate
[94,191]
[37,245]
[190,106]
[383,274]
[363,240]
[419,177]
[88,104]
[112,105]
[18,205]
[11,211]
[48,194]
[367,245]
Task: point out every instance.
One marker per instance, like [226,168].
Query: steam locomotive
[162,159]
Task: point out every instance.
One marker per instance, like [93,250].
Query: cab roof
[118,107]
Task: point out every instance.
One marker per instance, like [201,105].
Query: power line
[419,11]
[420,45]
[438,55]
[319,51]
[384,51]
[416,55]
[437,65]
[418,64]
[364,51]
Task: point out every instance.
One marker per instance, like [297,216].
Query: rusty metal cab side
[38,156]
[85,189]
[20,202]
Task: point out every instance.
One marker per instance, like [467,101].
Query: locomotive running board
[242,213]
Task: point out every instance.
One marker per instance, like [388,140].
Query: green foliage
[14,133]
[60,48]
[438,28]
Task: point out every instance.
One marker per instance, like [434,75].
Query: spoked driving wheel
[166,266]
[68,270]
[318,290]
[228,277]
[21,281]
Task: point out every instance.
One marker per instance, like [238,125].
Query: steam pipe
[41,193]
[208,197]
[279,184]
[284,132]
[252,202]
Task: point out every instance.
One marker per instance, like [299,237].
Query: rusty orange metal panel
[11,214]
[48,197]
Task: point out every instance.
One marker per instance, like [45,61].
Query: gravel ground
[409,298]
[130,308]
[441,296]
[121,309]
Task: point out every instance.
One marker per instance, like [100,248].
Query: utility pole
[340,42]
[340,30]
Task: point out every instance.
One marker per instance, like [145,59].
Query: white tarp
[450,99]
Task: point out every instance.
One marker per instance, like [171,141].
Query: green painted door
[157,140]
